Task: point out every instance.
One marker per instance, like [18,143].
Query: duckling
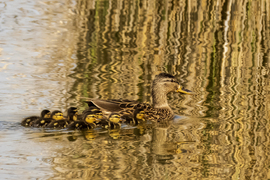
[91,109]
[43,122]
[72,114]
[63,123]
[29,120]
[88,122]
[113,122]
[138,117]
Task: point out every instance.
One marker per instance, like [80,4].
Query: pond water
[56,53]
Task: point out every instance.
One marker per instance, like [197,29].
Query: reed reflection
[218,49]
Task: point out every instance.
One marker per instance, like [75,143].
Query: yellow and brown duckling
[113,122]
[63,123]
[138,117]
[89,122]
[159,111]
[29,120]
[43,122]
[93,109]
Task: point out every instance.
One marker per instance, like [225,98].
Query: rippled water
[55,54]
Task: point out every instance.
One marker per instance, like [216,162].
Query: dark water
[55,54]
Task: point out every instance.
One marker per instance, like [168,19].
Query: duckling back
[43,122]
[29,120]
[63,123]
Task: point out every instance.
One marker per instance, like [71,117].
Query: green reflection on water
[113,49]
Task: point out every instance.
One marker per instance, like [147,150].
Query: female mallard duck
[160,110]
[89,122]
[63,123]
[43,122]
[29,120]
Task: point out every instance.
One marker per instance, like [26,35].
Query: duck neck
[159,98]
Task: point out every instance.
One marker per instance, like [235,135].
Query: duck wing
[116,105]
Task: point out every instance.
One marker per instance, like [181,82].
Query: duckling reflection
[114,133]
[29,120]
[43,122]
[63,123]
[72,137]
[89,134]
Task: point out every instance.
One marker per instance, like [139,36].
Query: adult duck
[159,111]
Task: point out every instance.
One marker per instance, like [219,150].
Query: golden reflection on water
[72,50]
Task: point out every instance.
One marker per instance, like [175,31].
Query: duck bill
[183,91]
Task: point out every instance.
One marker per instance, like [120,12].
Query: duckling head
[139,114]
[73,113]
[57,115]
[90,118]
[45,113]
[99,114]
[114,118]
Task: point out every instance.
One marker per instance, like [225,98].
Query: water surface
[55,54]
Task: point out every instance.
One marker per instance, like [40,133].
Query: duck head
[162,85]
[45,113]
